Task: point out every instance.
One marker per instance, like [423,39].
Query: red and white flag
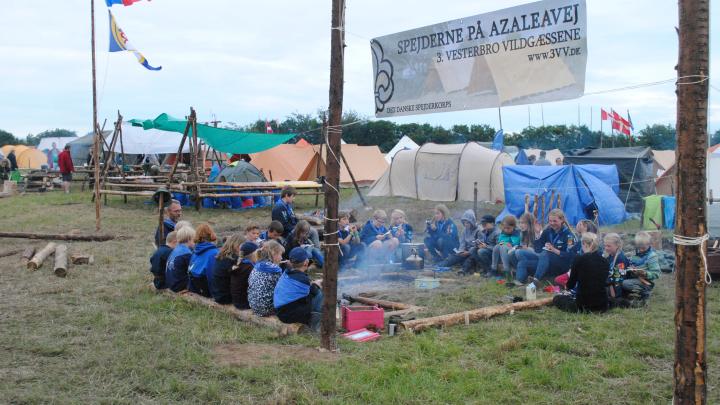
[268,128]
[604,116]
[620,124]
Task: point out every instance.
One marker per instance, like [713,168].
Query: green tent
[221,139]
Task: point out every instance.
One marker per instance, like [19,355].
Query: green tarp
[223,140]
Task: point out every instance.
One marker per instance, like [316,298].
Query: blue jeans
[317,302]
[441,247]
[350,250]
[483,257]
[316,255]
[524,260]
[634,285]
[500,254]
[551,265]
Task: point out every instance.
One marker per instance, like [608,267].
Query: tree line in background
[386,134]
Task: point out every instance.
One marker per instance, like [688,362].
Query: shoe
[518,283]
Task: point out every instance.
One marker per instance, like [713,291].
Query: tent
[287,162]
[31,159]
[404,143]
[665,184]
[583,189]
[521,158]
[366,162]
[221,139]
[634,166]
[509,149]
[20,149]
[241,172]
[136,141]
[60,142]
[551,155]
[664,159]
[17,148]
[444,173]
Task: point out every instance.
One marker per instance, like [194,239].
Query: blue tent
[521,158]
[583,188]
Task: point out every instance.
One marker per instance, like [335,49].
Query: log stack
[61,262]
[37,260]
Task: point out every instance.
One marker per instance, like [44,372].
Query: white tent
[138,141]
[404,143]
[445,173]
[47,143]
[550,155]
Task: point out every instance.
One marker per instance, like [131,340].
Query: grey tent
[634,166]
[81,147]
[241,172]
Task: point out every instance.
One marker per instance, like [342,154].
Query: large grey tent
[635,169]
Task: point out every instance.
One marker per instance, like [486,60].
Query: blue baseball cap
[298,255]
[248,247]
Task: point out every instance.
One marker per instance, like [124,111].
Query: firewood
[40,256]
[28,254]
[10,252]
[419,325]
[79,258]
[381,303]
[62,236]
[60,268]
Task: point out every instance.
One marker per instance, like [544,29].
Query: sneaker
[518,283]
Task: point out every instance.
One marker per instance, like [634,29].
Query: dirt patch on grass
[254,355]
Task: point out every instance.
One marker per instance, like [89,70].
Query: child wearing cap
[263,278]
[296,298]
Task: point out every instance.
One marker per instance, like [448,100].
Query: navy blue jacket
[369,232]
[563,241]
[408,233]
[176,272]
[284,213]
[158,263]
[168,226]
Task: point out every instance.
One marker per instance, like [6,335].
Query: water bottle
[530,292]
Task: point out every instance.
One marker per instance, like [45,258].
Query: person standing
[542,161]
[13,161]
[65,164]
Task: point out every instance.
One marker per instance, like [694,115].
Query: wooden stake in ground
[96,138]
[61,261]
[332,193]
[40,256]
[690,367]
[474,315]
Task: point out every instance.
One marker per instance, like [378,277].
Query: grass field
[101,336]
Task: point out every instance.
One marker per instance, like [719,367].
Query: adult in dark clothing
[13,160]
[588,277]
[232,270]
[173,213]
[158,261]
[296,298]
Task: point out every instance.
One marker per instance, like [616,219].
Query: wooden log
[381,303]
[40,256]
[135,193]
[28,254]
[403,312]
[62,236]
[419,325]
[271,322]
[10,252]
[61,261]
[79,258]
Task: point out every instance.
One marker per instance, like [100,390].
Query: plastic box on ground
[356,317]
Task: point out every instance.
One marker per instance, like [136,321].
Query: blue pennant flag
[498,141]
[119,42]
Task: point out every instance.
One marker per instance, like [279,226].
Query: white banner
[531,53]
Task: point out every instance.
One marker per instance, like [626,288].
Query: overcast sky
[244,60]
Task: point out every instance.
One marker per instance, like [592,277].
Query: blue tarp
[668,207]
[521,158]
[583,188]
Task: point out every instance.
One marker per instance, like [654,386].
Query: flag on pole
[604,116]
[499,140]
[268,128]
[123,2]
[630,121]
[119,42]
[620,124]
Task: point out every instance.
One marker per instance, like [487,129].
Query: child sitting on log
[176,271]
[158,261]
[296,298]
[264,277]
[232,271]
[378,239]
[461,255]
[442,234]
[300,237]
[348,239]
[485,241]
[202,261]
[508,238]
[274,232]
[399,228]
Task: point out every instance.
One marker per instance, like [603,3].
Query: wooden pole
[475,200]
[161,206]
[690,368]
[332,179]
[61,236]
[96,138]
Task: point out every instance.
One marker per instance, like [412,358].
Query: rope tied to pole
[696,241]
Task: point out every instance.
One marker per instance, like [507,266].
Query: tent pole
[95,154]
[179,154]
[122,152]
[352,177]
[96,138]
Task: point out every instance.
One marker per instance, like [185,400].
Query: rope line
[696,241]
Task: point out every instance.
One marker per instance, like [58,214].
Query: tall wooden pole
[332,173]
[500,117]
[690,368]
[96,138]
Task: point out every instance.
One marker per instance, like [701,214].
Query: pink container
[358,317]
